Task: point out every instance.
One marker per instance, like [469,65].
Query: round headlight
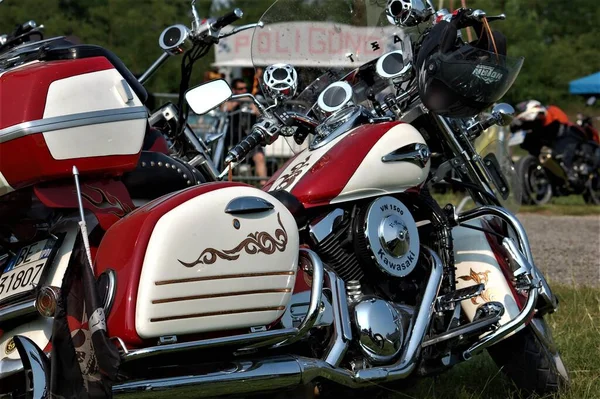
[46,301]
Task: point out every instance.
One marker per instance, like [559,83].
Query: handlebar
[468,17]
[227,19]
[20,34]
[478,15]
[237,153]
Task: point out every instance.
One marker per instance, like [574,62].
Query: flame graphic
[107,202]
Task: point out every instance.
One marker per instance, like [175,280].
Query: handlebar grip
[28,26]
[237,153]
[227,19]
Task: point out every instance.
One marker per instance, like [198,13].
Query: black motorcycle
[561,160]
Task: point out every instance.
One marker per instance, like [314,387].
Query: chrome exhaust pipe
[242,377]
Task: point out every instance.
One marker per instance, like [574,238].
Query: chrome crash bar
[524,255]
[521,257]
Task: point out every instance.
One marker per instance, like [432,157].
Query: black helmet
[460,80]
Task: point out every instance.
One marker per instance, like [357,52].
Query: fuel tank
[367,161]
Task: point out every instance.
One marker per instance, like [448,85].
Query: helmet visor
[477,74]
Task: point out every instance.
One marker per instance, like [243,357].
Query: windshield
[495,141]
[324,40]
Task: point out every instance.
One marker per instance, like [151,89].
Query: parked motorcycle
[543,170]
[74,109]
[343,272]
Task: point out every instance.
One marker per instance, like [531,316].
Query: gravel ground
[565,248]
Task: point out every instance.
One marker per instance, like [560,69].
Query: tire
[591,195]
[533,365]
[537,189]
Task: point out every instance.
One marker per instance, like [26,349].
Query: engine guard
[519,252]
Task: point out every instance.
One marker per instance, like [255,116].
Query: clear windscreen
[495,141]
[325,41]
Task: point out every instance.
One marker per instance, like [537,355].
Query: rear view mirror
[208,96]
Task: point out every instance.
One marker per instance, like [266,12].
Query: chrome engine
[370,242]
[391,235]
[381,327]
[381,236]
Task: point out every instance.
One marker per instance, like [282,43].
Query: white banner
[309,44]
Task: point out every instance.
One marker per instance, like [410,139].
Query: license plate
[22,273]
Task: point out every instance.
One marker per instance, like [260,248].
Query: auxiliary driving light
[46,301]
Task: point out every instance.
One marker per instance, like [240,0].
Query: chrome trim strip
[417,153]
[17,309]
[112,290]
[239,340]
[73,120]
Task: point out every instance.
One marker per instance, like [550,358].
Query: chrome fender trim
[36,365]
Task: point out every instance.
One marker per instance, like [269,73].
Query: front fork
[472,168]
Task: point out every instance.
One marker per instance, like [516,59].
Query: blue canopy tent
[589,85]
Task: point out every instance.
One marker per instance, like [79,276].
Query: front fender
[477,261]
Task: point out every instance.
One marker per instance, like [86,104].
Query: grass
[572,205]
[576,329]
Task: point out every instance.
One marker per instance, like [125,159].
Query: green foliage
[558,39]
[129,28]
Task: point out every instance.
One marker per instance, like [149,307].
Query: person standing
[240,119]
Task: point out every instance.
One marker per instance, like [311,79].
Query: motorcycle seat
[158,174]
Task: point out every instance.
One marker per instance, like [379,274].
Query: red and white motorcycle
[66,107]
[343,272]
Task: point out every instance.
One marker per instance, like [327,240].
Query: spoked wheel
[537,188]
[531,360]
[592,191]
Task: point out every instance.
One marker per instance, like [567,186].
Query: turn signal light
[46,301]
